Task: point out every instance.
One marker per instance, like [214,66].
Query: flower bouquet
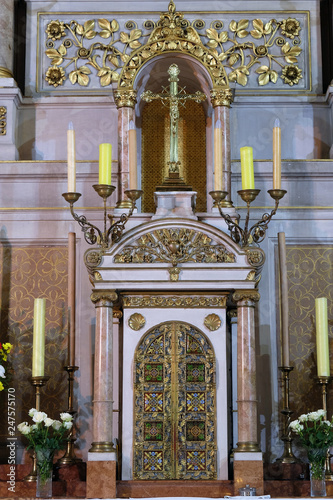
[45,436]
[4,351]
[315,433]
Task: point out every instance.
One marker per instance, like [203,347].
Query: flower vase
[317,459]
[44,473]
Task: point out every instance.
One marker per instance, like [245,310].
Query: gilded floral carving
[174,301]
[3,120]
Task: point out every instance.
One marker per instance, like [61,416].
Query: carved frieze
[158,301]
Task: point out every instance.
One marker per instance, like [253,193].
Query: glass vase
[44,473]
[317,480]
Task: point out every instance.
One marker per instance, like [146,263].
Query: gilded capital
[125,98]
[104,298]
[221,97]
[246,296]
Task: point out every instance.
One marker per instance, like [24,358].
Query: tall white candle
[38,346]
[277,155]
[323,359]
[71,158]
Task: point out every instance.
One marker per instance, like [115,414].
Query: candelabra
[288,456]
[323,382]
[108,236]
[256,233]
[37,383]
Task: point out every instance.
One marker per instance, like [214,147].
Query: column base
[248,447]
[248,469]
[102,447]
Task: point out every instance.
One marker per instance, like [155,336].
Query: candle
[218,156]
[71,298]
[277,155]
[247,167]
[323,360]
[105,159]
[284,298]
[71,169]
[38,346]
[132,153]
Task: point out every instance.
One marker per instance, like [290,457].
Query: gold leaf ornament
[136,321]
[212,322]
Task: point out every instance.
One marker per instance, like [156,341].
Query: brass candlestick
[108,236]
[37,383]
[323,382]
[256,233]
[69,457]
[288,456]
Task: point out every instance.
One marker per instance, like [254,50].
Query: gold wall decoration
[155,152]
[256,50]
[3,120]
[136,321]
[174,301]
[28,273]
[309,274]
[212,322]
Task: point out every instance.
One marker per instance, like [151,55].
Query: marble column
[125,101]
[221,99]
[246,371]
[6,38]
[103,394]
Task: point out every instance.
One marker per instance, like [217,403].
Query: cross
[173,97]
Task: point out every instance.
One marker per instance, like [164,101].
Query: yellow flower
[1,386]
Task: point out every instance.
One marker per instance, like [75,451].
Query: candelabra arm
[117,228]
[237,233]
[258,230]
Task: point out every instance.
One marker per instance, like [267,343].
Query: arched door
[174,404]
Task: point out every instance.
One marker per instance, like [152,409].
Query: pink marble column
[103,394]
[246,371]
[125,101]
[6,38]
[221,100]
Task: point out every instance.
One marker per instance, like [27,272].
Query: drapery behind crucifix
[155,153]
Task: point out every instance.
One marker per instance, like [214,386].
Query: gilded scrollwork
[3,120]
[269,48]
[154,301]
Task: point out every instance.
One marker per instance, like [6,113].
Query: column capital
[104,298]
[247,296]
[5,73]
[125,98]
[221,96]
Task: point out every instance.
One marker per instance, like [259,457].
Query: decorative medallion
[136,321]
[212,322]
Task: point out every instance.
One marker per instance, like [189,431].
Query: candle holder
[288,456]
[256,233]
[69,457]
[108,236]
[37,383]
[323,382]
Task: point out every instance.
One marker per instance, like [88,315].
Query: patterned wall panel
[28,273]
[310,275]
[156,150]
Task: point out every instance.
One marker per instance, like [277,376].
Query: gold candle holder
[288,456]
[37,383]
[133,195]
[323,382]
[69,457]
[248,195]
[218,197]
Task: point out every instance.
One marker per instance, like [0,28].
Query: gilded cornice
[125,98]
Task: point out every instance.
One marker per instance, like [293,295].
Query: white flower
[39,416]
[2,372]
[56,425]
[327,422]
[294,424]
[24,428]
[303,418]
[66,417]
[314,415]
[48,422]
[32,412]
[321,413]
[68,425]
[34,427]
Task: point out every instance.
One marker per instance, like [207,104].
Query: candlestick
[218,156]
[323,360]
[71,158]
[247,167]
[38,346]
[284,298]
[132,152]
[323,381]
[105,161]
[71,297]
[288,456]
[277,155]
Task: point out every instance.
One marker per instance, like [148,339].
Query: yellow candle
[218,156]
[105,159]
[71,159]
[38,346]
[247,167]
[277,155]
[323,360]
[132,153]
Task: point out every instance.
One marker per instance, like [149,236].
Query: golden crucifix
[172,96]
